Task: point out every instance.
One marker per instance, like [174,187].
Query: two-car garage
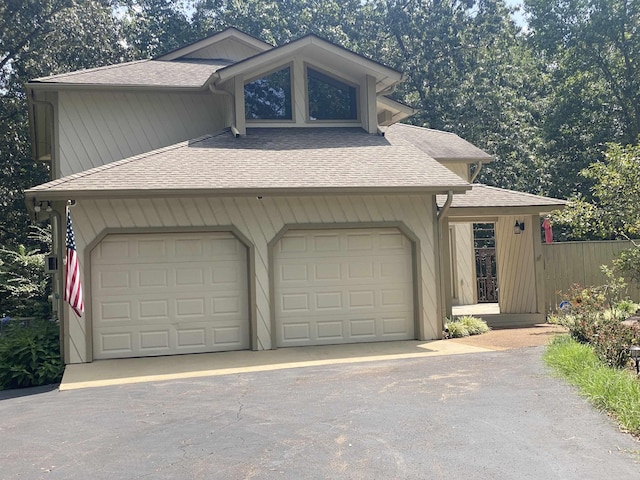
[176,293]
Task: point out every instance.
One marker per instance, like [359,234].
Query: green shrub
[30,355]
[594,317]
[465,326]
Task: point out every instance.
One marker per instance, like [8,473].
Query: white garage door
[343,286]
[164,294]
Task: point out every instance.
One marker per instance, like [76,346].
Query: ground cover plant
[614,390]
[465,326]
[29,354]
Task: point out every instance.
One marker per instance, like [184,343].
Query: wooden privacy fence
[566,263]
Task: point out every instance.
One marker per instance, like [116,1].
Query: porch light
[634,351]
[518,227]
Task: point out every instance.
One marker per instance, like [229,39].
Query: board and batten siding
[516,265]
[259,220]
[96,128]
[568,263]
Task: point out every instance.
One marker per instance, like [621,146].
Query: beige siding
[465,276]
[516,266]
[579,262]
[259,221]
[101,127]
[460,169]
[228,49]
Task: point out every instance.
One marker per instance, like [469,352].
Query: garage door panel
[179,293]
[342,286]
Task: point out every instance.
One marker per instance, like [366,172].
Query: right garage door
[343,286]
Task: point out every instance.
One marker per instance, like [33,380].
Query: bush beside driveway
[485,415]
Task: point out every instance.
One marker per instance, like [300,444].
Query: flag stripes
[73,285]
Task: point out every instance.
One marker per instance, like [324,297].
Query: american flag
[73,286]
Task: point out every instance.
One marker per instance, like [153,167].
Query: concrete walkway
[135,370]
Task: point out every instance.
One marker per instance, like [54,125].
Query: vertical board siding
[101,127]
[226,49]
[260,221]
[569,263]
[465,264]
[516,267]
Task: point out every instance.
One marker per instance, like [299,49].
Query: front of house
[232,195]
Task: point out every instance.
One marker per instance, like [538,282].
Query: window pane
[269,98]
[330,99]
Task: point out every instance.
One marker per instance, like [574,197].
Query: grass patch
[616,391]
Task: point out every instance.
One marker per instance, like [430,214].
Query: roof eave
[487,159]
[494,211]
[51,195]
[57,86]
[284,51]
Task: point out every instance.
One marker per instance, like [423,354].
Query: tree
[37,38]
[615,210]
[590,51]
[153,27]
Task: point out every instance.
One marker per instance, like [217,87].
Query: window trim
[357,120]
[266,73]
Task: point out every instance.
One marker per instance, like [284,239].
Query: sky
[518,17]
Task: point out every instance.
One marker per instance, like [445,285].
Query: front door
[487,280]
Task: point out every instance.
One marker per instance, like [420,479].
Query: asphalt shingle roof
[269,160]
[154,73]
[482,196]
[443,146]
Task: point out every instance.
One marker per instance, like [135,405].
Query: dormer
[310,82]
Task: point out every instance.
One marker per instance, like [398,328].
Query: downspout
[49,105]
[476,172]
[446,206]
[442,287]
[234,129]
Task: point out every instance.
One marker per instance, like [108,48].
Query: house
[233,195]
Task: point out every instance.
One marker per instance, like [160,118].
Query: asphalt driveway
[492,415]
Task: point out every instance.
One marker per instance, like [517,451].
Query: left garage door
[165,294]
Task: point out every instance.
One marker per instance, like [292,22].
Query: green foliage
[24,286]
[29,355]
[588,49]
[595,318]
[613,390]
[615,210]
[465,326]
[628,263]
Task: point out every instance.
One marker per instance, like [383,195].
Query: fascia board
[44,195]
[289,50]
[477,212]
[400,107]
[51,86]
